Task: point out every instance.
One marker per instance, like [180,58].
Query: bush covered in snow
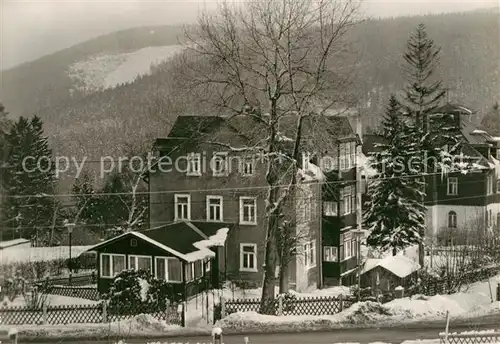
[135,292]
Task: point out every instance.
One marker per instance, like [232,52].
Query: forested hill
[96,121]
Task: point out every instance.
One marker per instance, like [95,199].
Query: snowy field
[109,70]
[39,254]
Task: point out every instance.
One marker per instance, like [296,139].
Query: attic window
[133,242]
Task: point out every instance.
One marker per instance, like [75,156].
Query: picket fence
[470,338]
[88,293]
[79,314]
[285,305]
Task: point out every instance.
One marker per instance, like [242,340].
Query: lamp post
[70,227]
[358,234]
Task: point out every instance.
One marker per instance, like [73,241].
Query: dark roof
[192,126]
[178,236]
[181,236]
[211,228]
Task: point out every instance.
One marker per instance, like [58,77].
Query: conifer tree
[30,182]
[395,215]
[422,95]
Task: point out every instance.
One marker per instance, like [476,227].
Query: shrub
[134,292]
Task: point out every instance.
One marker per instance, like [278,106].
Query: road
[363,336]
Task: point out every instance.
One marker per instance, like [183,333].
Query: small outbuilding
[186,254]
[388,273]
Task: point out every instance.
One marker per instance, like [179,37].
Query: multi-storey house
[206,173]
[341,194]
[466,198]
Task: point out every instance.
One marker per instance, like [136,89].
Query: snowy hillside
[107,71]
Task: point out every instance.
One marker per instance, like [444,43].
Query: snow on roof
[204,251]
[399,265]
[477,131]
[465,109]
[311,173]
[10,243]
[496,138]
[21,254]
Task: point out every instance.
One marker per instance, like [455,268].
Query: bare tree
[267,60]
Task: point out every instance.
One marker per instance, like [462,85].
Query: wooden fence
[286,305]
[78,314]
[470,338]
[89,293]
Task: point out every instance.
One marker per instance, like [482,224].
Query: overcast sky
[31,29]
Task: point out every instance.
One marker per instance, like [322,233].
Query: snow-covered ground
[52,300]
[476,301]
[37,254]
[196,314]
[106,71]
[139,326]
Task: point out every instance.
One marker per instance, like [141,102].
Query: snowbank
[362,314]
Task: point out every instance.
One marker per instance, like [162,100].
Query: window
[330,254]
[353,154]
[133,242]
[194,164]
[189,271]
[112,264]
[310,254]
[248,211]
[498,221]
[140,263]
[214,208]
[168,269]
[208,266]
[182,207]
[498,186]
[452,186]
[348,200]
[452,219]
[248,257]
[489,184]
[306,208]
[198,269]
[498,153]
[490,219]
[248,166]
[330,208]
[347,241]
[219,164]
[342,155]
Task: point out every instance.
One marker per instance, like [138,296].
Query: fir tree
[29,206]
[395,215]
[422,95]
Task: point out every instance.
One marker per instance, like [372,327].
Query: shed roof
[399,265]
